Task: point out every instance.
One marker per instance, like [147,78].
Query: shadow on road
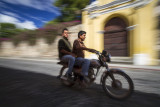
[27,89]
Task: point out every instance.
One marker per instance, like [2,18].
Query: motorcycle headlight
[109,57]
[106,58]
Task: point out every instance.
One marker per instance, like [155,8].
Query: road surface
[27,83]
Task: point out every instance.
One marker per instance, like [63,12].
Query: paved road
[144,80]
[33,84]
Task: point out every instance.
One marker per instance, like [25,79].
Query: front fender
[105,73]
[115,70]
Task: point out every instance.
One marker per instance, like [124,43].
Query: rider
[65,52]
[78,50]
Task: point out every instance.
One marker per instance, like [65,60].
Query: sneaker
[63,77]
[67,77]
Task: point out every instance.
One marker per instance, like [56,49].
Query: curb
[31,59]
[155,68]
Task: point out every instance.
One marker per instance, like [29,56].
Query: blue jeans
[84,63]
[71,60]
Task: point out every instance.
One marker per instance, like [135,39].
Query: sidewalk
[144,67]
[112,65]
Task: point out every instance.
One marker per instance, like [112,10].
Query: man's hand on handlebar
[93,50]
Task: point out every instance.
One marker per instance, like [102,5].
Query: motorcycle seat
[66,64]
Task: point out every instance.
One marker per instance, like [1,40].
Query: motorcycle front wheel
[119,88]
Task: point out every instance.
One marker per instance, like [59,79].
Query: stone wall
[41,49]
[74,32]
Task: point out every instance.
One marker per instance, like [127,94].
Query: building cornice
[108,5]
[94,7]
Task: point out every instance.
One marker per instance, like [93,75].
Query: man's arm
[65,52]
[77,45]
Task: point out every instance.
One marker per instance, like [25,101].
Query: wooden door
[116,43]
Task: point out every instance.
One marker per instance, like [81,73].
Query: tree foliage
[8,30]
[70,9]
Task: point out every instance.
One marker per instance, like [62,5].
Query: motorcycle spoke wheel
[121,88]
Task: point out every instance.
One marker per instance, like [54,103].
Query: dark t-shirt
[63,45]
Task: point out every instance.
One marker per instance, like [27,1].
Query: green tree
[70,9]
[8,30]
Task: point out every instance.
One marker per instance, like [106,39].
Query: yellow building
[139,44]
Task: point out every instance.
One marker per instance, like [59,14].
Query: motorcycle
[115,82]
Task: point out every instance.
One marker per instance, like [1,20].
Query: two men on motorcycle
[118,88]
[75,56]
